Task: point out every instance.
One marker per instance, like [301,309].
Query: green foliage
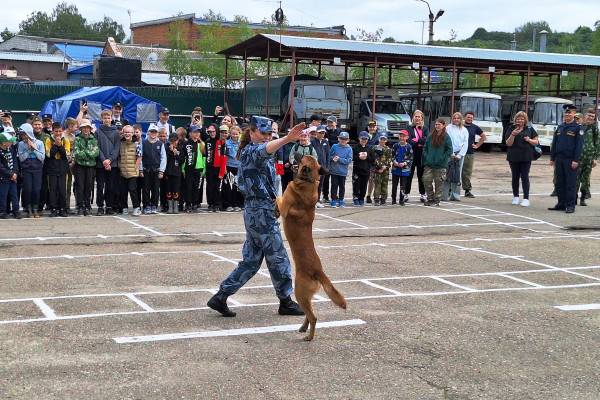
[66,22]
[6,34]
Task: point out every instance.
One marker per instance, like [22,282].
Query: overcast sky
[396,17]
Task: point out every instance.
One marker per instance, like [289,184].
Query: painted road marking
[45,309]
[232,332]
[579,307]
[157,233]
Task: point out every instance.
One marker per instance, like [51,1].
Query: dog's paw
[308,338]
[302,329]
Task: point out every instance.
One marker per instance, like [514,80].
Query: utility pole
[432,19]
[422,30]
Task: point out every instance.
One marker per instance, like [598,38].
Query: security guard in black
[567,146]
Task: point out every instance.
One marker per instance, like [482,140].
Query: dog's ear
[323,171]
[298,158]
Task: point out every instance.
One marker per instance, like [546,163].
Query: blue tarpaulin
[136,109]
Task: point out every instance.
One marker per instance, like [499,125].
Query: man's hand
[218,110]
[574,164]
[161,174]
[296,131]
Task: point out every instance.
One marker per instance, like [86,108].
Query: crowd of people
[168,169]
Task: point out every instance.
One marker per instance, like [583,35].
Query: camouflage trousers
[583,176]
[380,185]
[263,242]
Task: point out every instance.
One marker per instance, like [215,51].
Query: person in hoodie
[216,166]
[172,177]
[194,166]
[31,155]
[401,165]
[130,157]
[58,152]
[236,199]
[42,128]
[107,172]
[460,142]
[436,152]
[9,172]
[85,154]
[152,169]
[341,157]
[362,163]
[321,146]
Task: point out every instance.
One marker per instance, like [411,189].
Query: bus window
[484,109]
[548,114]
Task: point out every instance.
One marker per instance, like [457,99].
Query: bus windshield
[548,113]
[324,92]
[389,107]
[484,109]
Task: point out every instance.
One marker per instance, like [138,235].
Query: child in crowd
[362,161]
[303,148]
[193,169]
[9,172]
[58,149]
[236,199]
[31,155]
[85,153]
[382,160]
[154,162]
[139,136]
[403,158]
[341,157]
[163,136]
[322,148]
[216,164]
[107,171]
[130,156]
[70,133]
[172,178]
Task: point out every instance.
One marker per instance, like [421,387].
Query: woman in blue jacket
[340,159]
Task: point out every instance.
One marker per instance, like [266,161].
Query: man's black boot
[288,306]
[582,201]
[219,303]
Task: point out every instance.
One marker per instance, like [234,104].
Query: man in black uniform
[567,145]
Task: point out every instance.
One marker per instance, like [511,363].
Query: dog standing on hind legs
[297,210]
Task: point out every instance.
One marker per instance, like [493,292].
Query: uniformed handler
[256,177]
[590,154]
[567,145]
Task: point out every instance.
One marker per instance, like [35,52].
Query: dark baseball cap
[118,104]
[569,107]
[165,111]
[6,113]
[46,117]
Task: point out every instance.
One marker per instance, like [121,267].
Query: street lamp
[432,19]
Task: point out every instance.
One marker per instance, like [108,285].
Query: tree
[595,48]
[107,27]
[213,16]
[525,33]
[6,34]
[369,36]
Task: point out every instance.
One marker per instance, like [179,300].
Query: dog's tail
[335,296]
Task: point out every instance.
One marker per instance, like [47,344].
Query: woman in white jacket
[460,141]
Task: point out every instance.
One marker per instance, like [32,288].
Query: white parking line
[579,307]
[139,302]
[232,332]
[343,220]
[514,278]
[45,309]
[154,231]
[447,282]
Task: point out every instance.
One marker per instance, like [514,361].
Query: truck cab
[321,98]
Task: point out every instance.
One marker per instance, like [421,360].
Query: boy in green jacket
[85,154]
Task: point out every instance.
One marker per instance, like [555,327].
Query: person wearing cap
[117,114]
[341,157]
[460,139]
[163,121]
[9,172]
[589,155]
[382,161]
[85,155]
[172,176]
[362,163]
[216,166]
[322,148]
[47,122]
[303,148]
[6,117]
[236,199]
[58,152]
[331,134]
[469,159]
[315,120]
[31,154]
[402,162]
[152,168]
[417,136]
[256,175]
[107,171]
[565,155]
[194,165]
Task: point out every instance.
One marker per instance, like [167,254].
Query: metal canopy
[397,54]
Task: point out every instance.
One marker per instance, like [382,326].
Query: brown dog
[297,209]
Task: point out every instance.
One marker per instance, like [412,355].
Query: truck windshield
[483,108]
[324,92]
[548,113]
[389,107]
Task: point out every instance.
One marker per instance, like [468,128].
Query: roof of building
[95,43]
[32,57]
[78,52]
[82,69]
[357,52]
[333,30]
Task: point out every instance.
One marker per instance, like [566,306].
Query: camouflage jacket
[85,151]
[383,157]
[591,143]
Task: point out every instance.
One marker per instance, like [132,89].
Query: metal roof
[79,52]
[354,51]
[33,57]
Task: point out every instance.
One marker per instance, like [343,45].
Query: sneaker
[570,210]
[229,209]
[86,212]
[137,212]
[320,205]
[333,203]
[469,194]
[3,216]
[147,210]
[525,203]
[63,213]
[515,201]
[80,211]
[288,306]
[423,198]
[341,204]
[369,200]
[355,202]
[125,211]
[325,199]
[154,210]
[100,211]
[406,198]
[54,213]
[237,209]
[17,215]
[375,203]
[361,203]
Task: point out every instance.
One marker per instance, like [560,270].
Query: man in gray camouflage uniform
[590,154]
[256,176]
